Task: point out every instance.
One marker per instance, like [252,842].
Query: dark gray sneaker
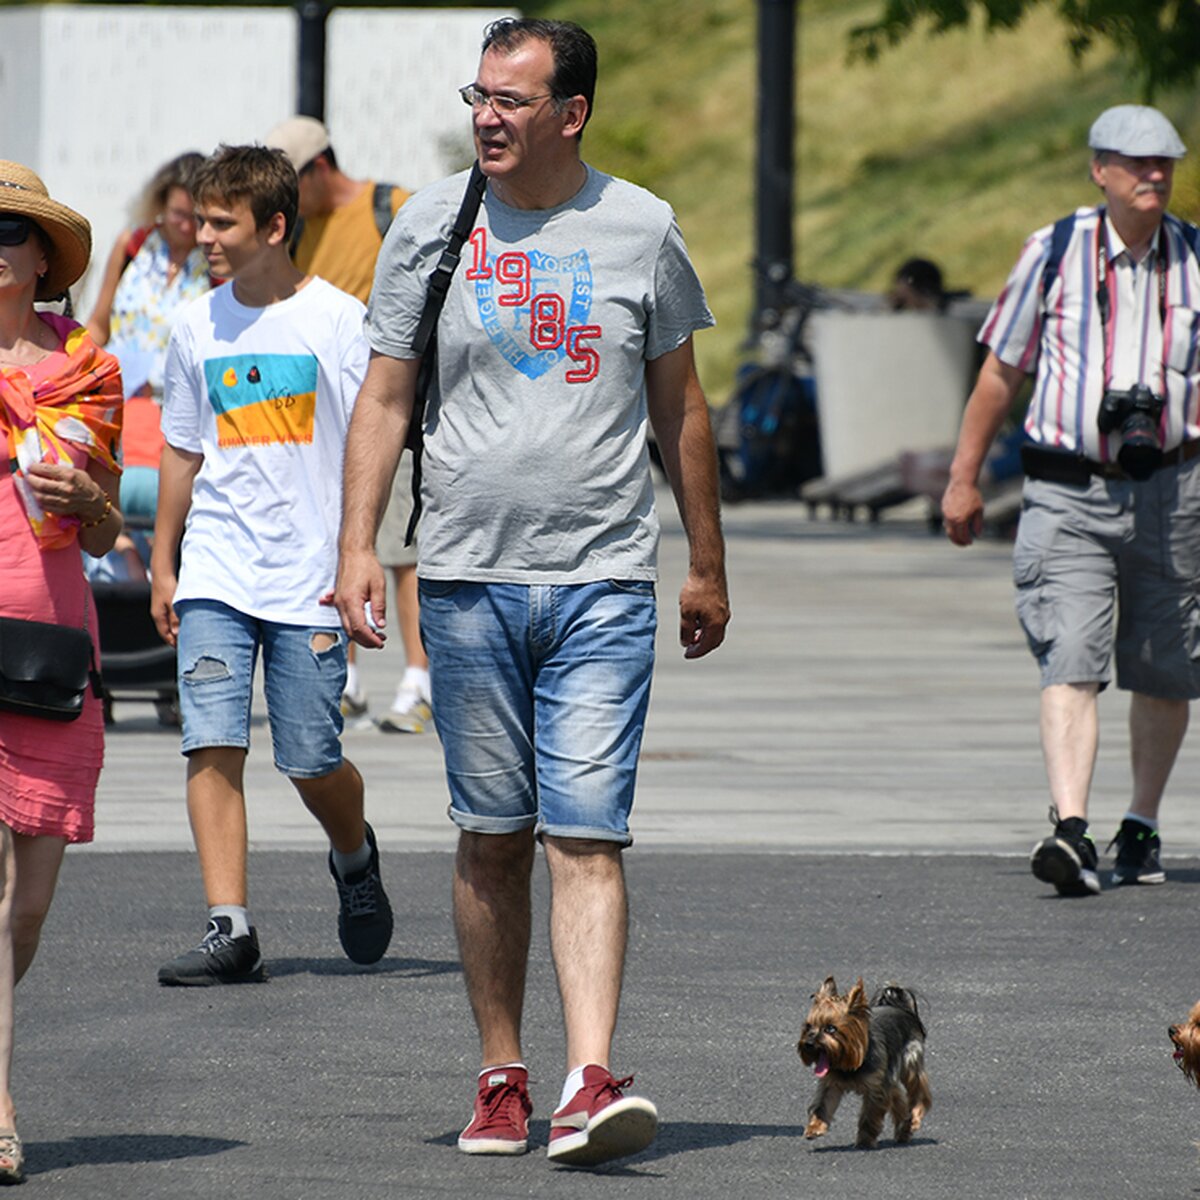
[1067,859]
[364,914]
[1138,850]
[220,958]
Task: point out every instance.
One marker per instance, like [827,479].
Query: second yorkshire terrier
[876,1050]
[1186,1038]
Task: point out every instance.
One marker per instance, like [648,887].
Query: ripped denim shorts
[304,672]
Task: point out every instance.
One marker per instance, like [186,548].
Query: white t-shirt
[265,395]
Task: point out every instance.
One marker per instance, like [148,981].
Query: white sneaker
[408,714]
[354,704]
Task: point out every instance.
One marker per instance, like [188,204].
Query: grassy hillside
[953,147]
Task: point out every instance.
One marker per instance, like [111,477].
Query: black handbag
[45,669]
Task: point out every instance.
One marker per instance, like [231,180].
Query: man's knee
[583,855]
[490,853]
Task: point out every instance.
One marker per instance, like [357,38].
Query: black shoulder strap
[443,273]
[425,341]
[381,203]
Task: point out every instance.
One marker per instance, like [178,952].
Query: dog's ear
[827,989]
[858,995]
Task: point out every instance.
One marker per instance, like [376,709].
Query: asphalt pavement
[850,787]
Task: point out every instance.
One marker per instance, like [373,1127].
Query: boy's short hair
[261,178]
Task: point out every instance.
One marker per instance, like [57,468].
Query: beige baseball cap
[300,138]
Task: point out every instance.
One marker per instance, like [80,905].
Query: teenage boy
[260,382]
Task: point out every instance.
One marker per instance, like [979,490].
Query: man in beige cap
[1100,308]
[341,228]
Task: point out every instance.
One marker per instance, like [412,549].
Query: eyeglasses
[14,230]
[502,106]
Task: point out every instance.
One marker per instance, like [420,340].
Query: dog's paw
[865,1142]
[816,1128]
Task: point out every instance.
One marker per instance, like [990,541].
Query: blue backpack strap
[1059,240]
[1191,235]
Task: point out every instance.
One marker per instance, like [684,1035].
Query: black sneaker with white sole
[1138,850]
[364,914]
[1067,859]
[220,958]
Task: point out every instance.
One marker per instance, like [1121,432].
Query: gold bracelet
[108,507]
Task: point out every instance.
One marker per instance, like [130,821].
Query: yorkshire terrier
[1187,1044]
[876,1050]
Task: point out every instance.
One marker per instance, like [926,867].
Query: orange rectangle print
[280,421]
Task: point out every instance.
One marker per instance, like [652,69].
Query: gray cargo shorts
[1087,554]
[389,542]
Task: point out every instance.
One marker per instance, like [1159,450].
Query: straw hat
[69,234]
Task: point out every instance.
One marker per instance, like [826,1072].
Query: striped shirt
[1058,337]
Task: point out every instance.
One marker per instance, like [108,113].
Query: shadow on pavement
[121,1148]
[406,968]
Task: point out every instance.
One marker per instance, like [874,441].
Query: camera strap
[1104,303]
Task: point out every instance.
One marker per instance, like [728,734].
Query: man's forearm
[374,444]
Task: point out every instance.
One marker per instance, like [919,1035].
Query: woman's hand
[66,491]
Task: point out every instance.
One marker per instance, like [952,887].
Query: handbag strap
[425,340]
[443,273]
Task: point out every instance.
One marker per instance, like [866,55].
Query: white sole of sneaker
[1156,877]
[1054,861]
[491,1146]
[625,1127]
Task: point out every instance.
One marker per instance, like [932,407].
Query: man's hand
[703,615]
[360,582]
[962,513]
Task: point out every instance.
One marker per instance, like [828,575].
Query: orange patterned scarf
[80,404]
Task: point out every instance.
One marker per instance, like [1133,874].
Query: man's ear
[574,113]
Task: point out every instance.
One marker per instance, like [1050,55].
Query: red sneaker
[599,1123]
[501,1121]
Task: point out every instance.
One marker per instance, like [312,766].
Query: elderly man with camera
[1103,309]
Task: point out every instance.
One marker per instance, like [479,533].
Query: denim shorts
[303,682]
[540,695]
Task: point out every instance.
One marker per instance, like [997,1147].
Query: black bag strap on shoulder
[425,341]
[381,206]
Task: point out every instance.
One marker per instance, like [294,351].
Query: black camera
[1135,413]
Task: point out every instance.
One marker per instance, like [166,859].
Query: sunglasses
[14,230]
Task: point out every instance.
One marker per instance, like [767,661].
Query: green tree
[1159,38]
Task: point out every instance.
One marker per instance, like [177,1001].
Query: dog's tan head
[1186,1038]
[835,1033]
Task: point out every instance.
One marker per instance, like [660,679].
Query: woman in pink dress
[60,424]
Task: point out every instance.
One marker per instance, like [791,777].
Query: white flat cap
[1137,131]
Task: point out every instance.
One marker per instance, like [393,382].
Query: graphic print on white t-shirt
[263,399]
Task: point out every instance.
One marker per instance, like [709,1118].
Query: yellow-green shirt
[341,246]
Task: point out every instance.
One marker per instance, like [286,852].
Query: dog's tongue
[821,1067]
[1177,1055]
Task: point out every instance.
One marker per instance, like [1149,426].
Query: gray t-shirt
[535,464]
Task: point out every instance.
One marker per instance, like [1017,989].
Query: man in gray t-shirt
[567,329]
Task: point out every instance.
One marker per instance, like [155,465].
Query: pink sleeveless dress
[48,769]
